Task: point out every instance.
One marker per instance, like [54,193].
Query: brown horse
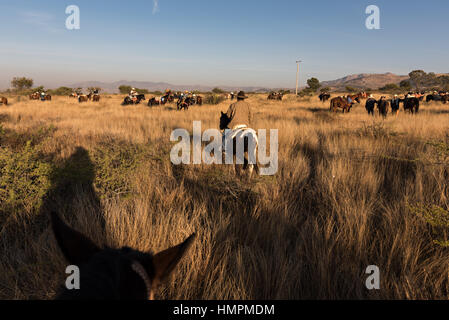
[114,274]
[357,97]
[34,96]
[324,97]
[84,98]
[96,98]
[340,103]
[275,96]
[4,101]
[47,97]
[199,100]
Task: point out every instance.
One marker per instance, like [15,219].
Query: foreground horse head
[107,273]
[224,121]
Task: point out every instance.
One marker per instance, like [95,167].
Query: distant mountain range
[363,80]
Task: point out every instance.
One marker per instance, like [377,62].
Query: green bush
[24,180]
[437,218]
[114,163]
[214,99]
[61,91]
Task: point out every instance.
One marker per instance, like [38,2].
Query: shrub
[437,218]
[214,99]
[24,180]
[217,90]
[61,91]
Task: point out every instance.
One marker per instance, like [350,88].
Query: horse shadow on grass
[71,193]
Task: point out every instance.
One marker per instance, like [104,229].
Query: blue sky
[208,42]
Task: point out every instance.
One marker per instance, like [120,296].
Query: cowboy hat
[242,95]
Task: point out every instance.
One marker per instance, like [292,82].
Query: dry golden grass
[338,203]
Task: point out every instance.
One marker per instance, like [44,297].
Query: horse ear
[76,247]
[165,261]
[222,113]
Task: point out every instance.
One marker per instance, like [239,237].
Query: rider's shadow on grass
[72,193]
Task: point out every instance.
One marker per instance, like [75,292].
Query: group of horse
[275,96]
[38,96]
[410,101]
[184,101]
[187,101]
[438,97]
[86,97]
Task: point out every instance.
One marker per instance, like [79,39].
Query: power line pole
[297,74]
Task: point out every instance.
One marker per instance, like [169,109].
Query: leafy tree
[314,84]
[124,89]
[217,90]
[38,89]
[143,91]
[406,85]
[62,91]
[390,87]
[444,82]
[325,89]
[20,83]
[306,92]
[417,77]
[350,89]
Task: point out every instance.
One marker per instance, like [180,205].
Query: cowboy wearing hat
[370,105]
[395,104]
[239,113]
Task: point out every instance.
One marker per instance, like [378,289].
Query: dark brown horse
[383,105]
[4,101]
[96,98]
[34,96]
[324,97]
[445,98]
[47,97]
[114,274]
[275,96]
[153,102]
[340,103]
[411,104]
[83,98]
[199,100]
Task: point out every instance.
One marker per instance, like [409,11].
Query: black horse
[411,104]
[153,102]
[382,106]
[324,97]
[128,100]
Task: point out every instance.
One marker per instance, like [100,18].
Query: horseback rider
[239,115]
[133,94]
[349,99]
[395,104]
[370,105]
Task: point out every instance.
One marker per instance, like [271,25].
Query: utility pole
[297,74]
